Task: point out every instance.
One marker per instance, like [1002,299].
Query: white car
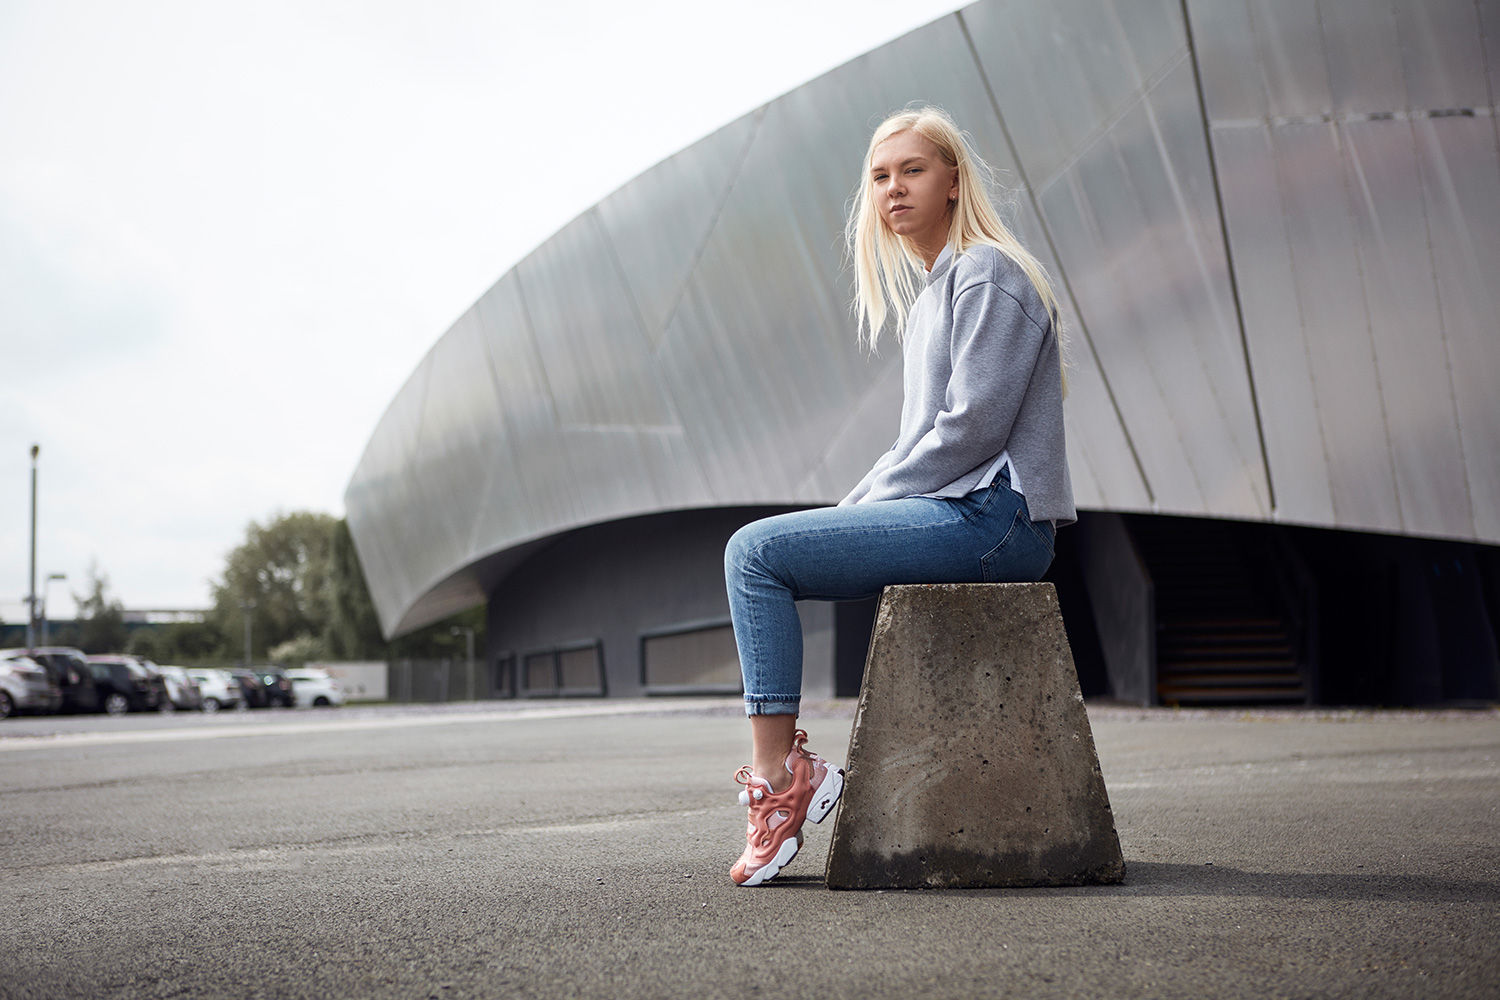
[315,689]
[220,689]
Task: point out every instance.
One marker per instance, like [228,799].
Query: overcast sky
[228,232]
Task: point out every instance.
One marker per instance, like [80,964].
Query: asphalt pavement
[581,849]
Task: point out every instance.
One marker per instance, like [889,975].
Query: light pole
[468,635]
[247,606]
[36,450]
[46,589]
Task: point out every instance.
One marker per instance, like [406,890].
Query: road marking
[228,729]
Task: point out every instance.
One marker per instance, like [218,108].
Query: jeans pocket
[1021,557]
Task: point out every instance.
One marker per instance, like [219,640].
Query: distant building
[1277,231]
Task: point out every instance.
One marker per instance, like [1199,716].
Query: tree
[283,567]
[101,618]
[297,652]
[311,599]
[353,631]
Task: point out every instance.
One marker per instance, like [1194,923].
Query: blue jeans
[849,553]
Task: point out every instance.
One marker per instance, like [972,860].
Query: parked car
[25,685]
[277,686]
[220,689]
[126,685]
[252,692]
[182,690]
[315,688]
[70,669]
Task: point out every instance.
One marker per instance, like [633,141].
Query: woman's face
[914,188]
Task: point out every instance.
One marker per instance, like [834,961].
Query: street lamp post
[468,635]
[46,590]
[247,606]
[36,450]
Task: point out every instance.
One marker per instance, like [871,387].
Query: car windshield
[136,670]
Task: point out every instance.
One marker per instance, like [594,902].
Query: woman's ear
[953,188]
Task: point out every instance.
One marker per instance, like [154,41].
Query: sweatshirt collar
[941,265]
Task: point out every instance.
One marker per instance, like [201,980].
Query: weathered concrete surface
[440,851]
[972,762]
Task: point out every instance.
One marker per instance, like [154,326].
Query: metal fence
[425,681]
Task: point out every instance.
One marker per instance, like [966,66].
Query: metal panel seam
[1108,123]
[640,323]
[1278,171]
[713,222]
[1349,159]
[1062,274]
[557,420]
[1234,285]
[1458,424]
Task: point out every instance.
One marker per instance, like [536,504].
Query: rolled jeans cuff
[772,704]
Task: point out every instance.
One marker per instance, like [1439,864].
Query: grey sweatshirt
[981,380]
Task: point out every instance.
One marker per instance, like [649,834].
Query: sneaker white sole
[827,795]
[770,869]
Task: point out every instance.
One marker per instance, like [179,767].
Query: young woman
[971,492]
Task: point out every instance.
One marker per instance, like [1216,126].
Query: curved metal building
[1276,225]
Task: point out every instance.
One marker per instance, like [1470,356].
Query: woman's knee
[740,551]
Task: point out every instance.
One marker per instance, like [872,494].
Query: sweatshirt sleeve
[859,491]
[995,347]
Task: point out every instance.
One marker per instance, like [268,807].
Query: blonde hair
[887,266]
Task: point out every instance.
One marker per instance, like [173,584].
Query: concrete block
[972,762]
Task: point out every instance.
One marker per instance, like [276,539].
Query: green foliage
[436,642]
[101,618]
[311,601]
[191,642]
[297,652]
[353,631]
[283,568]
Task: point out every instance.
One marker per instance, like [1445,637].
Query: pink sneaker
[774,833]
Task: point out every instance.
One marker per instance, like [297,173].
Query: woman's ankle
[777,774]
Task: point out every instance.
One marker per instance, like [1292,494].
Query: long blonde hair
[887,267]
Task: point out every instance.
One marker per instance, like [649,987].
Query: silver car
[26,686]
[220,689]
[182,689]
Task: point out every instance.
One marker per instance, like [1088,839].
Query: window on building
[568,671]
[503,676]
[691,659]
[580,671]
[539,672]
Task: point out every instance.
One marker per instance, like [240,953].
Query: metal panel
[660,221]
[1233,79]
[1442,52]
[382,495]
[1393,247]
[1337,322]
[1461,176]
[520,492]
[1289,52]
[1488,12]
[1154,293]
[1364,56]
[1062,71]
[1256,218]
[452,451]
[591,343]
